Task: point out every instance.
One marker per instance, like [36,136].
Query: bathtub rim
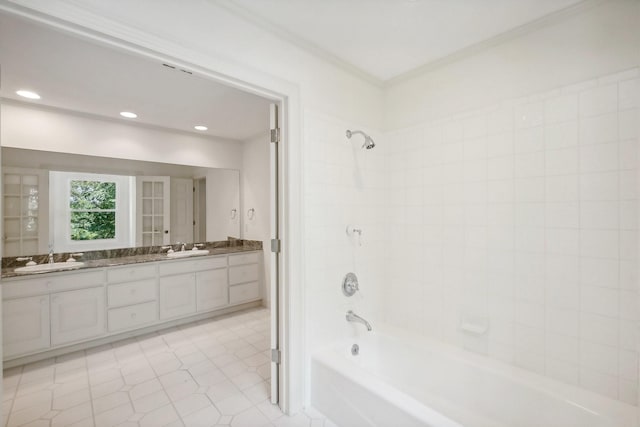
[573,395]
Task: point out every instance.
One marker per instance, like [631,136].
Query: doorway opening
[122,157]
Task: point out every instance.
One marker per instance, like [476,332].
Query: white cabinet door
[77,315]
[212,289]
[25,325]
[177,295]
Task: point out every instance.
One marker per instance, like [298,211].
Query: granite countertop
[99,259]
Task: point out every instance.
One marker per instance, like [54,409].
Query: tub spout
[352,317]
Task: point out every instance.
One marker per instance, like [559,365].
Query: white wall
[256,193]
[77,134]
[599,41]
[524,217]
[223,196]
[207,35]
[513,200]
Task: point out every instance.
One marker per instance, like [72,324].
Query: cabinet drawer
[132,317]
[127,274]
[168,268]
[131,293]
[246,292]
[52,283]
[249,258]
[242,274]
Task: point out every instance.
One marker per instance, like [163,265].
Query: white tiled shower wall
[343,184]
[523,218]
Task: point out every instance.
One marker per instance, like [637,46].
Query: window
[92,206]
[90,211]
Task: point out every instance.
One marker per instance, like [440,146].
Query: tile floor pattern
[207,373]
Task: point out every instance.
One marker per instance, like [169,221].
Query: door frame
[77,19]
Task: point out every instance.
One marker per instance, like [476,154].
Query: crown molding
[295,40]
[501,38]
[323,54]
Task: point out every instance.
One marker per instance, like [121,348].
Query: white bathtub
[395,382]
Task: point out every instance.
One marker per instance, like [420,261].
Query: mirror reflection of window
[92,209]
[38,211]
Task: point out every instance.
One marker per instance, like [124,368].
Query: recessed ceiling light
[200,127]
[28,94]
[128,114]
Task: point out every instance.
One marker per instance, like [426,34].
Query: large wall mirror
[69,202]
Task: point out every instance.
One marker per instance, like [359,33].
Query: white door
[25,325]
[211,289]
[77,315]
[276,372]
[181,229]
[153,214]
[200,210]
[26,203]
[177,295]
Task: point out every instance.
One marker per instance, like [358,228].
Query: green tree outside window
[93,210]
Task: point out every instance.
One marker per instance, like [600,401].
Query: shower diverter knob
[350,284]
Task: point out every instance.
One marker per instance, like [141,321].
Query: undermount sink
[54,266]
[185,254]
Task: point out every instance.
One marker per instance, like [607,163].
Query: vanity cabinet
[25,325]
[244,274]
[177,295]
[77,315]
[195,285]
[132,295]
[211,289]
[53,310]
[132,317]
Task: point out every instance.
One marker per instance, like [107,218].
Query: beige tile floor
[207,373]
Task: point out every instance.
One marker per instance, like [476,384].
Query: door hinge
[275,245]
[275,355]
[275,135]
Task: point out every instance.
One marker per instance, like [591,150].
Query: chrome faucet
[352,317]
[50,255]
[183,246]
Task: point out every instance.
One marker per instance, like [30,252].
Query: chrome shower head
[368,141]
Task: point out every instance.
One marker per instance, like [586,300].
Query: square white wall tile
[599,100]
[530,208]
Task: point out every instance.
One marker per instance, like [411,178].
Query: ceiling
[77,75]
[387,38]
[380,39]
